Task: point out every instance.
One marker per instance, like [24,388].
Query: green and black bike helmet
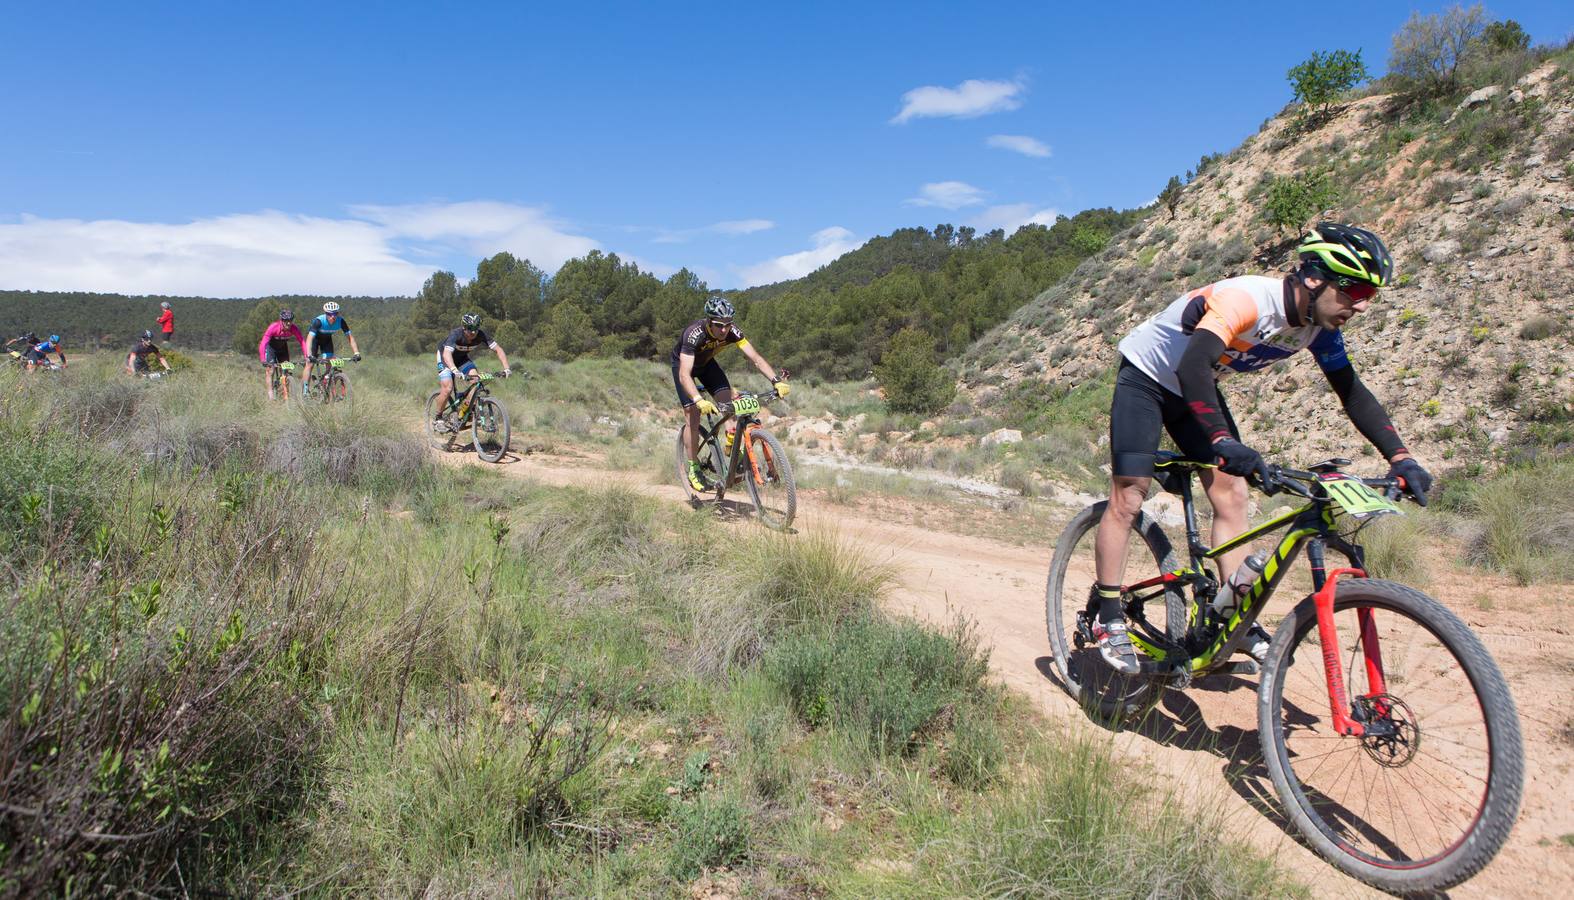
[470,321]
[1347,254]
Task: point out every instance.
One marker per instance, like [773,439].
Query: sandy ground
[1204,740]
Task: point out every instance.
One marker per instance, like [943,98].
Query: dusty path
[1203,741]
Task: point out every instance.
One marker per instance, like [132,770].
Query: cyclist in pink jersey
[1170,370]
[274,348]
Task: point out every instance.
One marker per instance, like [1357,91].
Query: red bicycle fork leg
[1328,636]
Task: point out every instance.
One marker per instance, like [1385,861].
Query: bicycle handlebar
[1281,478]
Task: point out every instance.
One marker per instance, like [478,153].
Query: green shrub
[1292,200]
[910,377]
[1322,79]
[712,831]
[51,489]
[1539,328]
[885,682]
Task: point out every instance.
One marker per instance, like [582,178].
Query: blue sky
[245,149]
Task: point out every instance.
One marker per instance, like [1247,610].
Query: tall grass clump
[1393,546]
[1079,825]
[1524,520]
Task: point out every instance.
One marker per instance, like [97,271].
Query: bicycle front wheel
[489,429]
[1069,615]
[1426,797]
[769,478]
[338,389]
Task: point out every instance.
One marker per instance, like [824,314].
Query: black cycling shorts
[709,377]
[323,347]
[278,352]
[1140,408]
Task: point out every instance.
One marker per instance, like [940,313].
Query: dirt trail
[1203,741]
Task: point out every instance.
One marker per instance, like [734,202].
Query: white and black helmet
[330,307]
[719,308]
[471,321]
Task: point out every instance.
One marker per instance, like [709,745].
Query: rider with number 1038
[694,366]
[1169,373]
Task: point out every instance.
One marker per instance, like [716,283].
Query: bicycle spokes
[1398,773]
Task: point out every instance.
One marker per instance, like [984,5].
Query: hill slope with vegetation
[1470,181]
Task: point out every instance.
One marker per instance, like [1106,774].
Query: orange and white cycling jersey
[1247,313]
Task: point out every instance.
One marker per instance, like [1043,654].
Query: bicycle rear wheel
[1083,673]
[442,440]
[1427,796]
[489,429]
[768,475]
[708,455]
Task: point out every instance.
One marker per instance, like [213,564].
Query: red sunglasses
[1358,290]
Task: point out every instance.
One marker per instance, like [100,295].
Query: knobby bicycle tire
[708,451]
[489,429]
[438,439]
[768,452]
[1083,673]
[1333,828]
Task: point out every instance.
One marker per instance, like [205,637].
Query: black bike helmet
[719,308]
[147,335]
[470,321]
[1347,254]
[286,316]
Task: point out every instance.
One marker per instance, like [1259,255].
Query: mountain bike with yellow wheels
[1387,729]
[758,461]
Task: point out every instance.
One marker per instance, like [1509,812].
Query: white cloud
[482,228]
[967,100]
[829,243]
[272,252]
[1012,216]
[947,195]
[733,227]
[1020,143]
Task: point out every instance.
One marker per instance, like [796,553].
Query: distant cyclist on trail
[1169,372]
[274,348]
[694,360]
[319,337]
[453,359]
[137,359]
[38,354]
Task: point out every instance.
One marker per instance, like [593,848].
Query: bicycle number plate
[744,406]
[1356,499]
[336,363]
[287,367]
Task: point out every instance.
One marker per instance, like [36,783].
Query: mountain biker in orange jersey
[1169,373]
[453,359]
[137,359]
[694,358]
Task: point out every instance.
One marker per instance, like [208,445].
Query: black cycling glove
[1417,480]
[1235,458]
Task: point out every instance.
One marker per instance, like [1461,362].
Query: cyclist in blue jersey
[38,354]
[319,339]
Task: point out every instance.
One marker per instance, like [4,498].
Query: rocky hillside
[1470,350]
